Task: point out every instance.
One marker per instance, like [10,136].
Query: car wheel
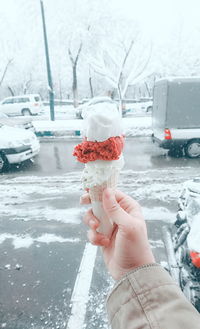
[26,112]
[192,149]
[4,164]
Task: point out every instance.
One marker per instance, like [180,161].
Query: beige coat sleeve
[147,298]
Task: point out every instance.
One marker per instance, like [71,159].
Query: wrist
[123,271]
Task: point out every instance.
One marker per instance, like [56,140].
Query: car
[176,116]
[22,105]
[94,101]
[16,146]
[24,123]
[143,106]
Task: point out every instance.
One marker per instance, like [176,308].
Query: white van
[22,105]
[16,146]
[176,115]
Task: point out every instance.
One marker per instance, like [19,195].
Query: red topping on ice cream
[110,149]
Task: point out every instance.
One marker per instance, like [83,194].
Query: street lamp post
[50,83]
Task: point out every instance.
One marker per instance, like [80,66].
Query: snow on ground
[34,198]
[137,126]
[25,241]
[67,125]
[189,203]
[65,112]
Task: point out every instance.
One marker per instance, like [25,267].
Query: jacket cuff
[136,283]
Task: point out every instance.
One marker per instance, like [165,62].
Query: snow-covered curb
[134,126]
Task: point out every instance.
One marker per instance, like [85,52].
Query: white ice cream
[97,172]
[102,124]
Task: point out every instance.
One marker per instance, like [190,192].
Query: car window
[22,100]
[37,99]
[8,101]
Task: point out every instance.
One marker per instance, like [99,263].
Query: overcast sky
[157,17]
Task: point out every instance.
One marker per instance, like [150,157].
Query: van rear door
[159,109]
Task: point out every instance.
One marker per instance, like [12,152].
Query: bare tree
[90,83]
[74,63]
[11,91]
[123,63]
[74,56]
[9,62]
[27,85]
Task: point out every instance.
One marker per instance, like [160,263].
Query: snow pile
[25,241]
[189,203]
[132,127]
[40,199]
[137,126]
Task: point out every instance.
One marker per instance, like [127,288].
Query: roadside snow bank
[137,126]
[132,127]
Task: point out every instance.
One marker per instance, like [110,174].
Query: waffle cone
[96,192]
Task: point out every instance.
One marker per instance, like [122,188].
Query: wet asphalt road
[42,238]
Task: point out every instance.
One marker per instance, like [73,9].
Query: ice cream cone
[101,152]
[96,192]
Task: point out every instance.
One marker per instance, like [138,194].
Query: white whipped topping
[102,124]
[99,171]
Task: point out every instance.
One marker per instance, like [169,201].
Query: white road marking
[81,288]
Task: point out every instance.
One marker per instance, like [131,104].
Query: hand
[128,247]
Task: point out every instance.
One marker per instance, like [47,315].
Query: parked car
[22,105]
[24,123]
[16,146]
[144,106]
[176,115]
[92,102]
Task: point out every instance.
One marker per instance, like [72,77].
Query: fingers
[85,199]
[98,239]
[90,220]
[94,237]
[113,208]
[126,202]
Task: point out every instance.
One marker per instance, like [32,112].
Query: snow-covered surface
[14,137]
[133,126]
[42,207]
[34,207]
[193,238]
[137,126]
[25,241]
[189,203]
[35,198]
[65,125]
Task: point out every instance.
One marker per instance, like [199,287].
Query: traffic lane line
[81,290]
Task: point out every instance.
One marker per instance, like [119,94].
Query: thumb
[112,207]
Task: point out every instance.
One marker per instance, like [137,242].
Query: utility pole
[50,83]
